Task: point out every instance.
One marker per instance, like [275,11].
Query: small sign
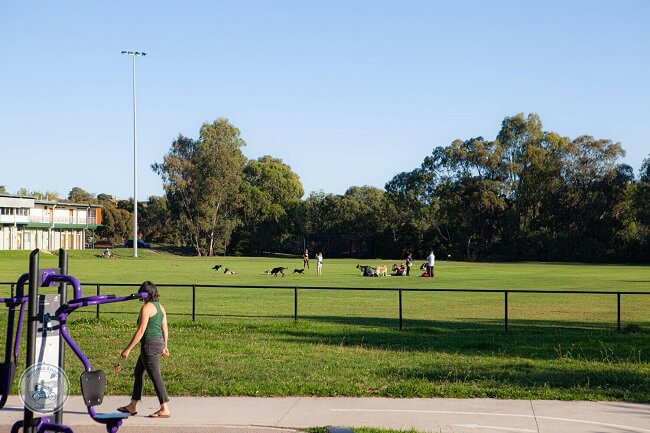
[44,388]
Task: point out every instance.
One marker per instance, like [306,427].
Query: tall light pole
[135,54]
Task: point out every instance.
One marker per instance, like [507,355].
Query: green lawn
[245,341]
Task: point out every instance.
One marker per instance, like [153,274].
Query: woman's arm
[139,333]
[165,331]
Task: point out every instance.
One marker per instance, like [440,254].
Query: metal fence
[398,291]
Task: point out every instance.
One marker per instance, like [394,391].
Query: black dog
[276,271]
[217,267]
[298,271]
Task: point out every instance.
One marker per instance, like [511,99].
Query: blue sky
[346,92]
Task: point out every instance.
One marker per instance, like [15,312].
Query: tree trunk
[196,245]
[214,224]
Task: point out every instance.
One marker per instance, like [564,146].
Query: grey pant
[150,351]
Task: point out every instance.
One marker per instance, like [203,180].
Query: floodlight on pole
[135,54]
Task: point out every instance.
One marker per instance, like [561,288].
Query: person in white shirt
[431,262]
[319,263]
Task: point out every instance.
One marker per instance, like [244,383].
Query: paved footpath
[286,415]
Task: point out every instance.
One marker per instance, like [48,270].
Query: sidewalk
[285,415]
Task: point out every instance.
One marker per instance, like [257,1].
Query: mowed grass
[245,341]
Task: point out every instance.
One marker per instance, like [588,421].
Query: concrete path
[285,415]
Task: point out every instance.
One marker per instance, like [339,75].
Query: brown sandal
[125,409]
[157,414]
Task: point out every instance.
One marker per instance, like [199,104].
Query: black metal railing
[399,291]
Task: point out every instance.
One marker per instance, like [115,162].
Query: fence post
[295,304]
[400,309]
[506,309]
[97,311]
[193,302]
[618,311]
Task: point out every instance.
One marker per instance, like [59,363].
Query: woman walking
[152,334]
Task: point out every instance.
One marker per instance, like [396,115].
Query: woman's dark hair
[151,290]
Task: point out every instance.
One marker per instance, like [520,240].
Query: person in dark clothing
[152,334]
[409,263]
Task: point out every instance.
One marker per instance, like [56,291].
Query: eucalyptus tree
[520,143]
[529,193]
[202,179]
[318,213]
[588,164]
[39,195]
[414,199]
[369,221]
[156,221]
[642,210]
[269,195]
[80,195]
[117,223]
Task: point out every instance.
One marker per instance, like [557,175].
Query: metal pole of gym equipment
[32,311]
[63,296]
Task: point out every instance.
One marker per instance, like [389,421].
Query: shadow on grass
[530,339]
[464,323]
[423,326]
[175,250]
[586,363]
[514,375]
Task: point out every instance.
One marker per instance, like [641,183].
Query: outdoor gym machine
[46,332]
[44,352]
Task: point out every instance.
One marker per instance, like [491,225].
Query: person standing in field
[409,263]
[152,334]
[319,263]
[431,262]
[305,259]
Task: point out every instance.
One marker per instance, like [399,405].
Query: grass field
[245,341]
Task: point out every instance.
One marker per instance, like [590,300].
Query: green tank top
[154,326]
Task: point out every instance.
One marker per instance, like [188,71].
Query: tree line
[529,194]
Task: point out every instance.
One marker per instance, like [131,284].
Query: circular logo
[44,388]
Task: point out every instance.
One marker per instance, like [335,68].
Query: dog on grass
[229,272]
[278,270]
[217,267]
[382,270]
[298,271]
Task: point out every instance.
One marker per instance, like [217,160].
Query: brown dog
[382,270]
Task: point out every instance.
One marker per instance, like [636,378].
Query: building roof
[65,203]
[48,202]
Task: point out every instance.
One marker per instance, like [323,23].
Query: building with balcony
[27,223]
